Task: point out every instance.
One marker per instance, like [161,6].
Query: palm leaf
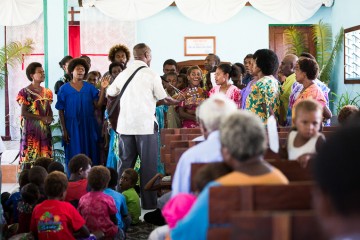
[322,37]
[345,99]
[13,54]
[59,155]
[55,126]
[56,139]
[327,69]
[294,39]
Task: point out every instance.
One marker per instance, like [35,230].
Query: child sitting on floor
[43,162]
[30,195]
[37,176]
[12,203]
[54,218]
[123,219]
[79,167]
[127,183]
[97,208]
[305,141]
[56,166]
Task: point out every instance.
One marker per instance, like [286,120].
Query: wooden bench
[225,200]
[190,131]
[295,225]
[181,131]
[292,170]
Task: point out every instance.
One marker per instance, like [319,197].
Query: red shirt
[76,190]
[54,219]
[96,208]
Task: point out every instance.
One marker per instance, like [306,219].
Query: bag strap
[122,90]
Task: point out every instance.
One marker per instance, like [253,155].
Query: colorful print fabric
[265,91]
[193,97]
[35,139]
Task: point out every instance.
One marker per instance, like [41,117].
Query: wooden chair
[296,225]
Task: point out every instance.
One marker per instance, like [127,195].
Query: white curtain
[289,11]
[19,12]
[130,10]
[17,75]
[210,11]
[99,33]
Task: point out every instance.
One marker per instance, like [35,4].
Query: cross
[72,13]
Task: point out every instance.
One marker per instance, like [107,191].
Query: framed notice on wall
[199,46]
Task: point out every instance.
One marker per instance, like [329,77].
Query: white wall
[2,92]
[244,33]
[55,11]
[344,15]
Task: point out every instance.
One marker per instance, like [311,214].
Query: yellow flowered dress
[266,90]
[35,139]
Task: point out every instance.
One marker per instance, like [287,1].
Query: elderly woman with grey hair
[243,144]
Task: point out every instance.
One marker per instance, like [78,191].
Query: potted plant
[345,99]
[325,51]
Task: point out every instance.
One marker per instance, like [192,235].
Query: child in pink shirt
[97,208]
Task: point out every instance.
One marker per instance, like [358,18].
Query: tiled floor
[7,158]
[9,187]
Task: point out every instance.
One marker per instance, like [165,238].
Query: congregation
[117,148]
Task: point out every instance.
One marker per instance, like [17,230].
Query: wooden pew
[167,131]
[270,155]
[330,128]
[292,170]
[225,200]
[195,167]
[190,136]
[170,160]
[296,225]
[190,131]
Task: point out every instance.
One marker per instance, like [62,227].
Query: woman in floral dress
[264,97]
[194,95]
[36,116]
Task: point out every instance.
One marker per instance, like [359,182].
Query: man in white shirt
[210,113]
[137,124]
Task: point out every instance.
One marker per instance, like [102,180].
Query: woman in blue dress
[76,101]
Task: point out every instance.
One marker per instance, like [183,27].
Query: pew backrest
[224,200]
